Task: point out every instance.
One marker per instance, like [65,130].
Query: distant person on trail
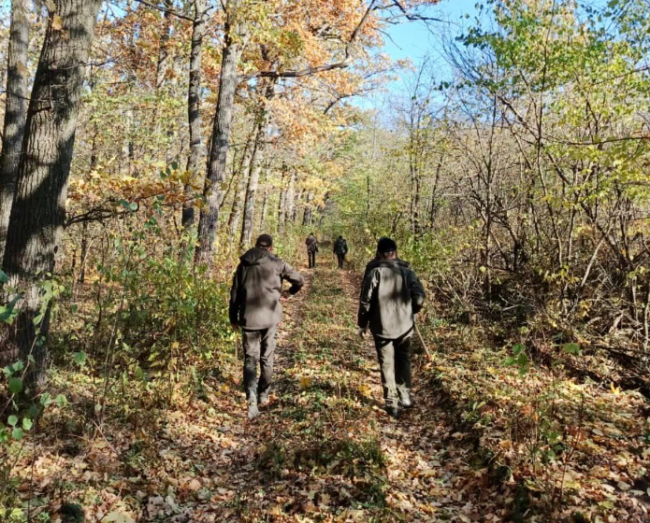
[255,308]
[312,249]
[340,249]
[390,297]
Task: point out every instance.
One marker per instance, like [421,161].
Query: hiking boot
[253,411]
[406,402]
[392,411]
[264,399]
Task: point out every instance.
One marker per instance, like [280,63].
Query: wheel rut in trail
[325,450]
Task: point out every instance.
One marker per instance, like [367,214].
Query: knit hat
[264,240]
[386,245]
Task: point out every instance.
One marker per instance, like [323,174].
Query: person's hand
[234,326]
[362,332]
[285,295]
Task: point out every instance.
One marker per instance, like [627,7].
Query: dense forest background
[146,144]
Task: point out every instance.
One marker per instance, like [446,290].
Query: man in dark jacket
[312,249]
[390,297]
[255,308]
[340,249]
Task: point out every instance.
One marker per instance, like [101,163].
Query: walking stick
[236,346]
[426,349]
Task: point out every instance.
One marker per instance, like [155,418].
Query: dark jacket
[312,243]
[391,294]
[256,288]
[340,246]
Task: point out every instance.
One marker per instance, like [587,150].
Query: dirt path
[324,450]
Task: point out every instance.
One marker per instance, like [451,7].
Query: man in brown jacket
[390,297]
[255,308]
[312,249]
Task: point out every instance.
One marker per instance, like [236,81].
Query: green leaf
[8,312]
[17,433]
[3,277]
[15,385]
[133,206]
[80,358]
[13,368]
[12,420]
[571,348]
[61,400]
[27,424]
[46,399]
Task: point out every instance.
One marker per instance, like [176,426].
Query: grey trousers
[259,348]
[395,364]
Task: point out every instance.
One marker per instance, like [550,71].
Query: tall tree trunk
[216,168]
[294,214]
[84,226]
[240,195]
[162,65]
[248,223]
[282,200]
[291,197]
[307,215]
[194,110]
[15,112]
[265,207]
[256,166]
[128,148]
[38,213]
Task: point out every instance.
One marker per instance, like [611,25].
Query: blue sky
[415,40]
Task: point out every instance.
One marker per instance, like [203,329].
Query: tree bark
[38,213]
[163,49]
[216,168]
[194,110]
[248,223]
[282,200]
[291,197]
[240,195]
[251,192]
[265,206]
[294,214]
[307,215]
[15,112]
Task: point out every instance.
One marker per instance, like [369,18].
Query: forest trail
[325,450]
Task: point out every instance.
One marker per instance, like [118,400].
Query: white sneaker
[253,411]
